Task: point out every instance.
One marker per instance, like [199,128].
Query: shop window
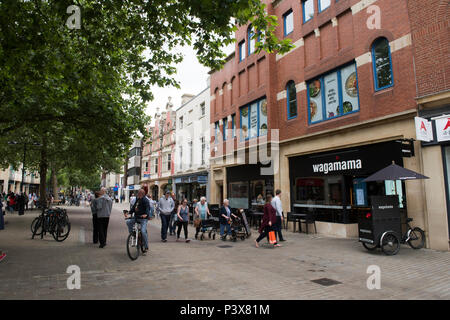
[333,95]
[324,4]
[239,194]
[291,100]
[254,119]
[241,51]
[308,10]
[288,21]
[382,64]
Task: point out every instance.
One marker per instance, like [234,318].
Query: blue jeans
[225,226]
[165,219]
[172,223]
[143,222]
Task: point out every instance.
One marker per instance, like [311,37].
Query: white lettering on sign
[337,166]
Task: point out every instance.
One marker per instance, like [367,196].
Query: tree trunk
[43,172]
[54,182]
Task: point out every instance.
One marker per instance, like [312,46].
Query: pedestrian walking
[21,204]
[276,203]
[103,207]
[183,220]
[269,220]
[95,229]
[132,200]
[152,204]
[173,216]
[2,221]
[225,219]
[201,213]
[165,208]
[26,200]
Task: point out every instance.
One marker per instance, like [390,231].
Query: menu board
[349,83]
[263,117]
[244,123]
[315,100]
[254,120]
[331,95]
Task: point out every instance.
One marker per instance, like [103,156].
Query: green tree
[82,93]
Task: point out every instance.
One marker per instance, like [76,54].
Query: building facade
[10,181]
[159,151]
[334,110]
[192,147]
[430,29]
[133,169]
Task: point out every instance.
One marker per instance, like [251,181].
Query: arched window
[382,64]
[251,42]
[291,98]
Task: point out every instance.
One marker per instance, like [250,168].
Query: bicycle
[390,242]
[55,221]
[135,242]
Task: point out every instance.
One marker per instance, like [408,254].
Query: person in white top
[132,200]
[276,203]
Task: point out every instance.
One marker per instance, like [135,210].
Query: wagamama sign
[337,166]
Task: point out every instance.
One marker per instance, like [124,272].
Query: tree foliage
[82,93]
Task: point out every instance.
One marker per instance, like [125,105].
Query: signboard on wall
[424,130]
[443,129]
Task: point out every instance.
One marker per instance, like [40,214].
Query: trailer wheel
[370,247]
[390,244]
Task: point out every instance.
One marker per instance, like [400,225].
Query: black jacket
[141,207]
[222,211]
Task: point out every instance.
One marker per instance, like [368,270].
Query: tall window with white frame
[241,51]
[225,128]
[288,22]
[169,161]
[382,64]
[251,41]
[180,166]
[202,141]
[291,99]
[191,154]
[181,122]
[202,108]
[308,10]
[324,4]
[156,165]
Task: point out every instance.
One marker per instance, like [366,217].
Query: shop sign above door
[443,129]
[424,131]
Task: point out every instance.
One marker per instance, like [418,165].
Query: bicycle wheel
[416,238]
[36,226]
[390,244]
[369,246]
[62,230]
[132,247]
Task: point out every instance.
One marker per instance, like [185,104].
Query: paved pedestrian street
[210,269]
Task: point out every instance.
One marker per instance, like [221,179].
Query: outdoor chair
[308,219]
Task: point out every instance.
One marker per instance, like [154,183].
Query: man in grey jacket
[102,207]
[165,207]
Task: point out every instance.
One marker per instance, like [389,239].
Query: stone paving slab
[36,269]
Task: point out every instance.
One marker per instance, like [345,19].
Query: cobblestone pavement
[36,269]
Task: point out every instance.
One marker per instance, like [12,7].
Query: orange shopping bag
[272,238]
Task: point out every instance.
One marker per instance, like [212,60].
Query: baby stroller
[210,227]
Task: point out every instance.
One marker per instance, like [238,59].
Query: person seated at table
[225,219]
[268,221]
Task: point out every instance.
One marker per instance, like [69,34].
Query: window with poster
[333,95]
[254,119]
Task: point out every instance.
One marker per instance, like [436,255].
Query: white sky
[192,77]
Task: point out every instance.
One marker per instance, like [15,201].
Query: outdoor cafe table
[257,216]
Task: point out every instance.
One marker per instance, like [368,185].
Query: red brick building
[159,152]
[343,102]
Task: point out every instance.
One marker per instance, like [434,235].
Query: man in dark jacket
[141,211]
[225,219]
